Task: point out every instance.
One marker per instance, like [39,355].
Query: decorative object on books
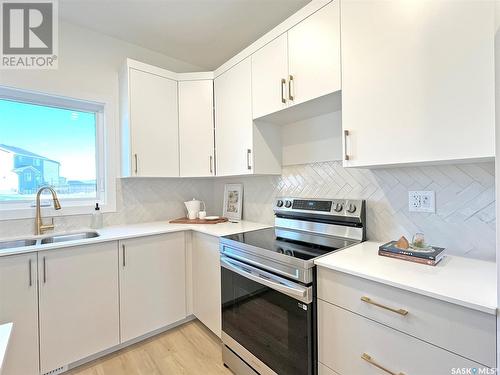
[233,201]
[402,243]
[418,244]
[429,255]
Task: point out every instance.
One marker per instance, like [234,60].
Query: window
[50,141]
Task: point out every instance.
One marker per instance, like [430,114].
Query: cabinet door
[314,55]
[417,81]
[154,125]
[78,303]
[19,305]
[196,128]
[269,77]
[206,281]
[233,120]
[152,283]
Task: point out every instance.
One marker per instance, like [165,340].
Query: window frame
[105,172]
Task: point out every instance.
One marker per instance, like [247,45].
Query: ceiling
[204,33]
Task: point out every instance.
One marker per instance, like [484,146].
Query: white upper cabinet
[314,55]
[196,128]
[299,65]
[243,147]
[417,81]
[19,305]
[269,77]
[150,129]
[233,120]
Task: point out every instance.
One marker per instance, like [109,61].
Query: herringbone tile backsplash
[464,221]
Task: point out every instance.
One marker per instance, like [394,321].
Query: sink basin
[69,237]
[16,243]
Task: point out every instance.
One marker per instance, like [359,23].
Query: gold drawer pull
[370,360]
[397,311]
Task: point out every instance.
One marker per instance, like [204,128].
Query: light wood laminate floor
[189,349]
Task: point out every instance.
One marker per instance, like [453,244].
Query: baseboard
[128,343]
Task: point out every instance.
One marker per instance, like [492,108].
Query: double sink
[45,240]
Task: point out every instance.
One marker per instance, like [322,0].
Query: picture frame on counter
[233,201]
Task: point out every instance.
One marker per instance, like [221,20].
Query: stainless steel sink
[69,237]
[16,243]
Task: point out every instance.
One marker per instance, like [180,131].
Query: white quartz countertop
[5,330]
[463,281]
[121,232]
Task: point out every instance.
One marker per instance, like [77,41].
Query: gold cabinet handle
[346,155]
[370,360]
[283,85]
[249,154]
[291,88]
[44,270]
[30,280]
[371,302]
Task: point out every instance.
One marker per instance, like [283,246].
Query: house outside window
[50,141]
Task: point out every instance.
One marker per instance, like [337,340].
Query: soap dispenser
[96,217]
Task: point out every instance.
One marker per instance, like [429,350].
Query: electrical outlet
[421,201]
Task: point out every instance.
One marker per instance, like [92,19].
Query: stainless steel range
[268,284]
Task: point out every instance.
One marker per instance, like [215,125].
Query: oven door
[268,316]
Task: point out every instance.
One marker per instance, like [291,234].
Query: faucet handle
[45,227]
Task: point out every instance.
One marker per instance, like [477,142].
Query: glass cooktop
[293,243]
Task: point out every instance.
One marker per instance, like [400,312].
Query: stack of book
[431,255]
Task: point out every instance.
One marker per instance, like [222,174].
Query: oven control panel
[333,207]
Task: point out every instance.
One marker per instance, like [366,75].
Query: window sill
[71,210]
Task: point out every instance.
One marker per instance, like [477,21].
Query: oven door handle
[280,284]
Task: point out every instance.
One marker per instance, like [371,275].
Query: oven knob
[351,208]
[288,204]
[279,203]
[338,207]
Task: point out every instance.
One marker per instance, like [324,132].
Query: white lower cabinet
[19,305]
[152,283]
[353,345]
[206,281]
[78,303]
[429,319]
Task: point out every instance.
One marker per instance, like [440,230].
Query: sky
[58,134]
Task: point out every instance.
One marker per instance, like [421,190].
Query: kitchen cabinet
[152,283]
[207,281]
[78,303]
[19,305]
[314,55]
[150,128]
[373,346]
[417,81]
[269,77]
[428,319]
[196,128]
[299,65]
[243,147]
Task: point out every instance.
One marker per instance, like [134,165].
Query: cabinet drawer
[344,337]
[467,332]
